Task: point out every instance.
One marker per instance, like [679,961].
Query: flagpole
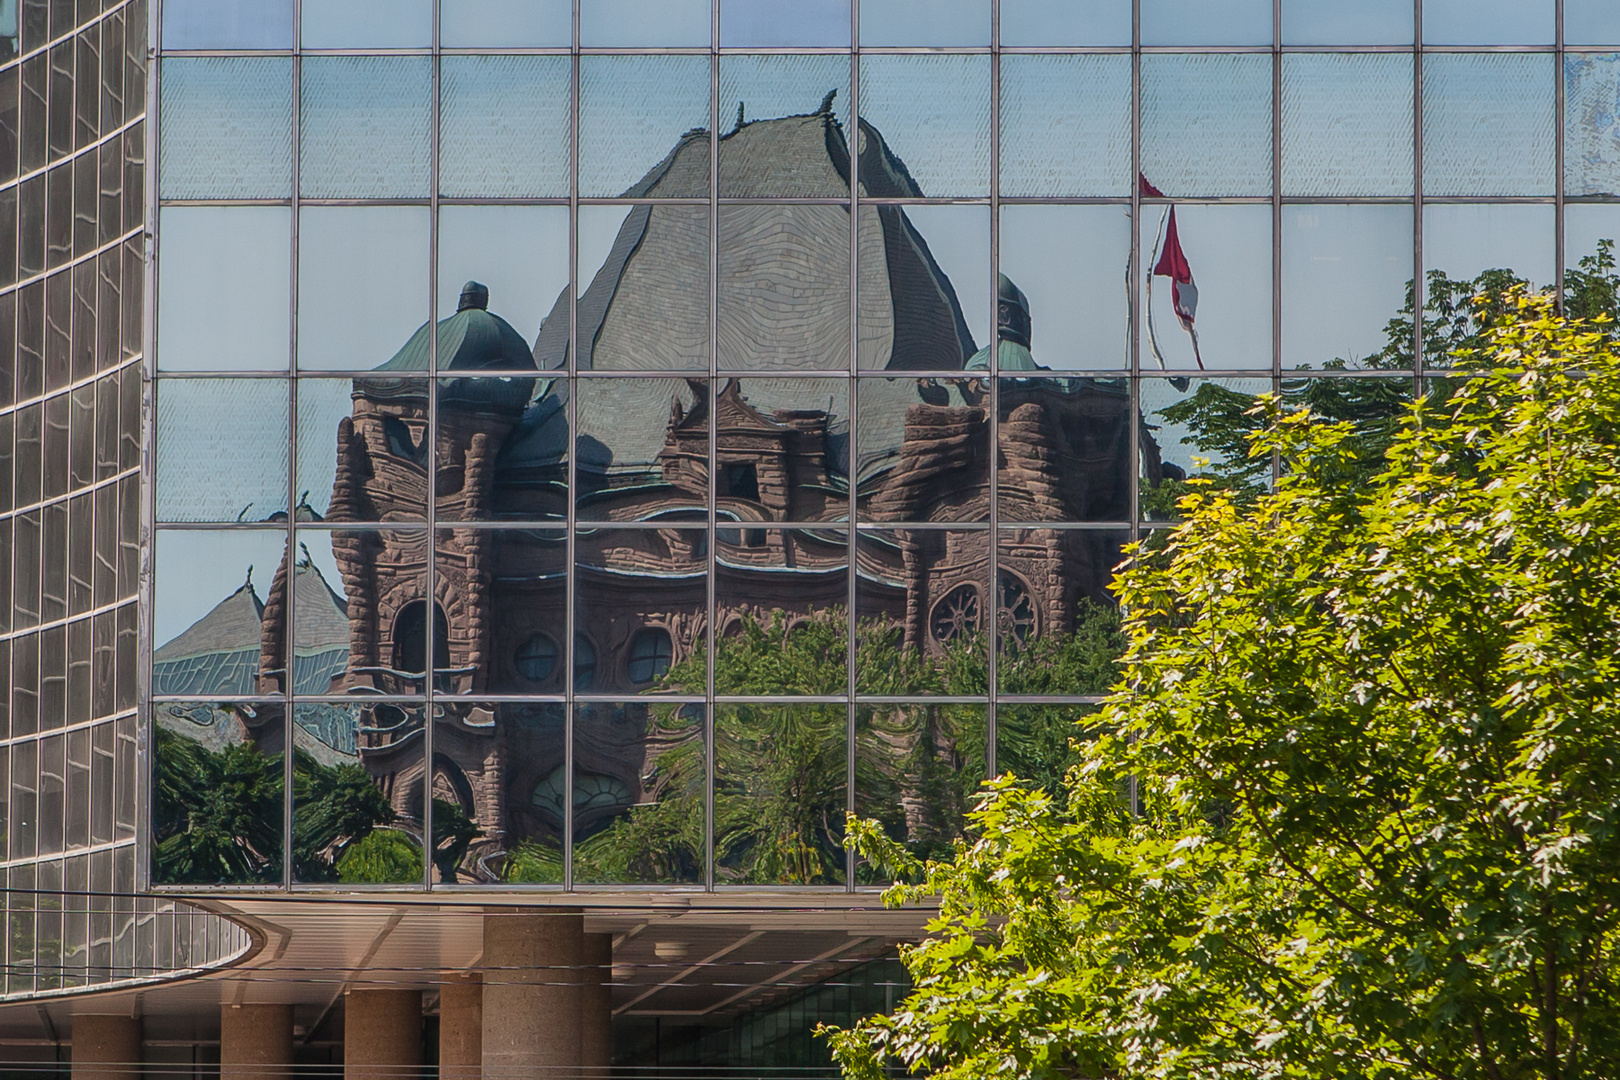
[1153,337]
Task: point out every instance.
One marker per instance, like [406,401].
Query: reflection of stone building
[782,453]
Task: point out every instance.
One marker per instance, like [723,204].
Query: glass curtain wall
[601,444]
[72,261]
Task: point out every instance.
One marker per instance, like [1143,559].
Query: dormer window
[740,480]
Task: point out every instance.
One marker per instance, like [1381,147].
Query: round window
[650,655]
[537,658]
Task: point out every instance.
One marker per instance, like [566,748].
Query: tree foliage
[1354,814]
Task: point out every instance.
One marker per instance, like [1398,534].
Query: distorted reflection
[702,509]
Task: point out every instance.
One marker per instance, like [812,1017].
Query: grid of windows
[628,434]
[72,106]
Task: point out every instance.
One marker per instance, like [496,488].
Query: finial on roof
[308,561]
[248,584]
[739,116]
[826,103]
[474,295]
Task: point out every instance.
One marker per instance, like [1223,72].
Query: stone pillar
[382,1034]
[106,1048]
[532,991]
[255,1042]
[596,1006]
[461,1028]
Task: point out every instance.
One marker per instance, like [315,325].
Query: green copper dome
[473,340]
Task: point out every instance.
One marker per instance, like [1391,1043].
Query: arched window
[410,639]
[584,663]
[537,658]
[650,654]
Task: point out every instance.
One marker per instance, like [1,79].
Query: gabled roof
[232,626]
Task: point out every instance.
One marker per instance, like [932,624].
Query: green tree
[218,815]
[1355,813]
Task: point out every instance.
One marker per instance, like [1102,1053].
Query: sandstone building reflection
[536,477]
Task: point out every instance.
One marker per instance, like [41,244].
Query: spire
[825,108]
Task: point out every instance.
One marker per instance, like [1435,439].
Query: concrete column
[382,1034]
[532,991]
[596,1006]
[461,1028]
[106,1048]
[255,1042]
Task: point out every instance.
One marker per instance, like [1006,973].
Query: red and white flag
[1183,293]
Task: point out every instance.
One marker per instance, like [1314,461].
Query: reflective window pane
[365,126]
[362,285]
[208,600]
[519,253]
[768,24]
[1224,319]
[643,126]
[925,22]
[1584,226]
[1345,273]
[1033,742]
[1206,124]
[920,604]
[358,799]
[1373,408]
[513,582]
[784,287]
[224,279]
[631,24]
[222,449]
[635,586]
[781,607]
[1065,450]
[644,304]
[1066,125]
[510,24]
[524,809]
[1065,22]
[376,580]
[1198,428]
[1591,124]
[368,24]
[1346,125]
[1067,262]
[922,450]
[928,128]
[1591,22]
[781,781]
[478,418]
[1488,22]
[504,129]
[362,450]
[1479,247]
[228,24]
[788,121]
[918,769]
[226,127]
[638,794]
[1057,629]
[1368,22]
[1206,22]
[642,449]
[783,450]
[217,789]
[1488,126]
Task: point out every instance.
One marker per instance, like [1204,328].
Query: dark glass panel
[1198,428]
[217,792]
[919,607]
[52,793]
[23,824]
[359,804]
[638,794]
[642,449]
[917,770]
[780,791]
[1065,450]
[922,449]
[781,610]
[783,450]
[630,580]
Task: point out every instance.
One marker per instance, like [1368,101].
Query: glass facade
[602,444]
[72,262]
